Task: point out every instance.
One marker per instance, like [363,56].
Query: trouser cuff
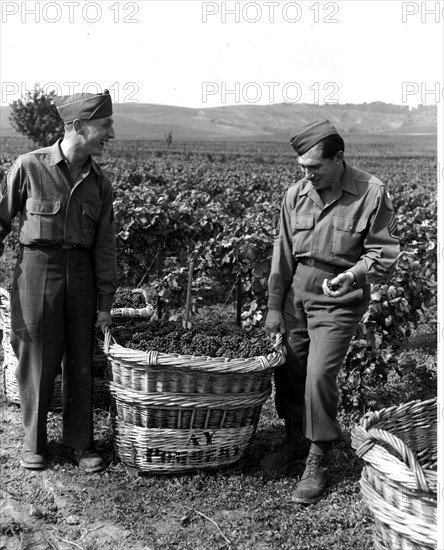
[320,447]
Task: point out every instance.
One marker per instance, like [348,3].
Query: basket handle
[107,340]
[376,435]
[272,360]
[278,343]
[145,312]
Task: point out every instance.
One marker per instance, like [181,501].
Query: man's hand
[338,286]
[104,319]
[274,323]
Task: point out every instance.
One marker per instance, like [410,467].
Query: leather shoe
[88,460]
[313,481]
[32,461]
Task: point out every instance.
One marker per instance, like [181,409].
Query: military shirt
[54,210]
[355,231]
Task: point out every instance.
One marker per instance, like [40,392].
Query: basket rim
[367,439]
[371,417]
[137,358]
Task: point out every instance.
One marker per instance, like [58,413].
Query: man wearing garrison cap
[65,278]
[336,235]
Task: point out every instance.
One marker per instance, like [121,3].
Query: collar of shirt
[348,183]
[57,156]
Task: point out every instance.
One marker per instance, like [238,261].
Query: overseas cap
[84,106]
[306,137]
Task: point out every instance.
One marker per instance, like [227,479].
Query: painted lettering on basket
[194,440]
[200,450]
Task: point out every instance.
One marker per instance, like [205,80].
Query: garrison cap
[303,139]
[84,106]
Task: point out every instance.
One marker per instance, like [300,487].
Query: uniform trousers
[318,333]
[53,311]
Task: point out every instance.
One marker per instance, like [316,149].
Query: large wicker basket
[101,396]
[180,413]
[399,480]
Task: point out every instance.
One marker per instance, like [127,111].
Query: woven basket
[180,413]
[399,479]
[101,395]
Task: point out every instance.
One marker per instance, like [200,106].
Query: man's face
[321,172]
[96,133]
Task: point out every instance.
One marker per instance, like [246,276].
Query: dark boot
[313,481]
[293,450]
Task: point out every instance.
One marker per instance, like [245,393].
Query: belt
[49,246]
[311,262]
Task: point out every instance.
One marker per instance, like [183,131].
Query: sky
[203,54]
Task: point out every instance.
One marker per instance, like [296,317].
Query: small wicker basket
[101,395]
[180,413]
[399,480]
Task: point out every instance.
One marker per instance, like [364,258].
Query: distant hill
[258,122]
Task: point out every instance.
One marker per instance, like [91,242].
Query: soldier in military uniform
[337,234]
[65,278]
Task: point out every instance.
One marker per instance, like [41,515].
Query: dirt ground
[60,508]
[51,509]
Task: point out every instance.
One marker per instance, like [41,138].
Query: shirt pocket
[348,236]
[43,219]
[302,227]
[89,218]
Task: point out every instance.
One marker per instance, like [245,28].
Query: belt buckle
[68,246]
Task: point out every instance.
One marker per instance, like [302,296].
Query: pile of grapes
[202,339]
[125,297]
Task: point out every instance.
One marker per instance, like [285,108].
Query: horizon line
[286,103]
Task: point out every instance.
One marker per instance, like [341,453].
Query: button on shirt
[355,231]
[54,210]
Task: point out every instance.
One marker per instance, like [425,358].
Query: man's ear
[78,126]
[340,156]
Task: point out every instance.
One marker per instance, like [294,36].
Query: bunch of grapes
[125,297]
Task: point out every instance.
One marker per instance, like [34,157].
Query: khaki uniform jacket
[53,210]
[355,232]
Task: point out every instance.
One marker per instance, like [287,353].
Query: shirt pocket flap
[91,210]
[304,222]
[42,206]
[355,225]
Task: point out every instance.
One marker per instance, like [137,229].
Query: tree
[36,117]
